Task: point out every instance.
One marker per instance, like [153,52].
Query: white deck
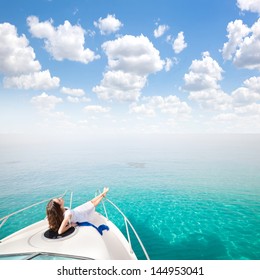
[84,242]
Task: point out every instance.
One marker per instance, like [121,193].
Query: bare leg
[96,200]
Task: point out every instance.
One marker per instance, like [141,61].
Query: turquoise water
[188,197]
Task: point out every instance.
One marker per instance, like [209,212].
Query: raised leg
[96,200]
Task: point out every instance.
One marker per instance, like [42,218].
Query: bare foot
[105,190]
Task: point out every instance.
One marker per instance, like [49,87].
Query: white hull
[84,242]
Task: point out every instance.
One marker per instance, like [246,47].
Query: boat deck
[85,242]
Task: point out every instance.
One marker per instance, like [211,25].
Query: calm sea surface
[189,197]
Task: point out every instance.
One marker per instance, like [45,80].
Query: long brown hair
[54,215]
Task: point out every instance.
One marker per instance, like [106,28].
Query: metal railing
[5,218]
[127,223]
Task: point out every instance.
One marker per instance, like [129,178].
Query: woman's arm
[65,225]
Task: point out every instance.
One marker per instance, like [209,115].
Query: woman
[61,219]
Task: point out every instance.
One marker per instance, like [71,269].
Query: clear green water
[188,198]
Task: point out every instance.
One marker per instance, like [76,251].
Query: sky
[120,67]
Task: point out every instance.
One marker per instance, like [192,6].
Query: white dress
[81,213]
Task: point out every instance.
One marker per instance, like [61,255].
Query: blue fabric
[99,228]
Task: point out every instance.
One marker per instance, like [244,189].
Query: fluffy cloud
[203,74]
[108,25]
[252,109]
[16,56]
[160,30]
[18,63]
[242,108]
[253,83]
[143,109]
[168,64]
[179,43]
[73,91]
[247,94]
[212,99]
[167,105]
[130,60]
[202,82]
[249,5]
[236,32]
[243,96]
[63,42]
[73,99]
[96,109]
[45,102]
[37,80]
[243,46]
[170,105]
[133,55]
[120,85]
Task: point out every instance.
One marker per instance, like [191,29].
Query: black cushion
[50,234]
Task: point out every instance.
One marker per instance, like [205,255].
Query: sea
[189,197]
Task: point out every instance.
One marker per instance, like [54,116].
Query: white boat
[83,242]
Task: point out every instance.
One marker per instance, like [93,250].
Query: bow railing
[127,224]
[5,218]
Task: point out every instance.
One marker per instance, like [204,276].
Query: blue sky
[129,67]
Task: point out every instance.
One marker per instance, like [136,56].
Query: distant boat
[36,241]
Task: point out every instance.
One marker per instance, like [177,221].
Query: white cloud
[212,99]
[251,109]
[203,74]
[16,56]
[171,105]
[45,102]
[243,47]
[248,55]
[241,109]
[236,32]
[202,82]
[249,5]
[120,85]
[96,109]
[160,30]
[37,80]
[133,55]
[90,33]
[226,117]
[130,60]
[247,94]
[108,25]
[243,96]
[73,99]
[237,122]
[179,43]
[143,109]
[73,91]
[168,64]
[63,42]
[169,39]
[253,83]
